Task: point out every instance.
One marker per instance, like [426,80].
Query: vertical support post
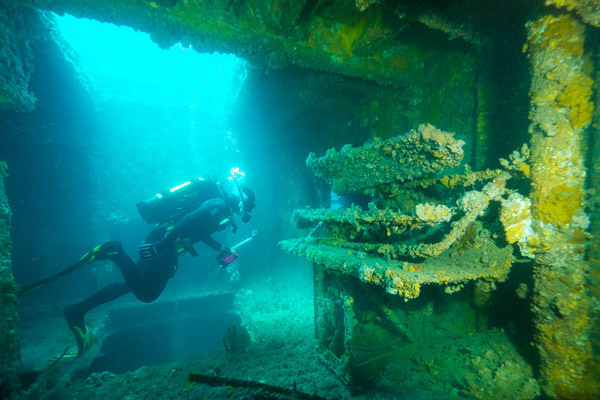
[318,294]
[482,120]
[561,109]
[9,347]
[594,202]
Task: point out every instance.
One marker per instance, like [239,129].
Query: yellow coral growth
[433,214]
[559,204]
[350,33]
[576,96]
[410,290]
[516,218]
[525,169]
[563,358]
[556,29]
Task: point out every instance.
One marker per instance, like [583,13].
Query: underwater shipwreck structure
[413,281]
[446,242]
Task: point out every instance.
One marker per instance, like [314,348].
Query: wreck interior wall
[9,344]
[19,27]
[369,337]
[503,80]
[47,149]
[294,109]
[301,111]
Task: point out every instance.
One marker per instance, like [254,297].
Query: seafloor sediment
[284,354]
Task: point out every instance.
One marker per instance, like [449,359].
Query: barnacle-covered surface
[472,204]
[344,254]
[389,220]
[373,245]
[8,298]
[483,260]
[356,229]
[423,151]
[469,178]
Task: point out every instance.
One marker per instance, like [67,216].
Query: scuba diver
[185,215]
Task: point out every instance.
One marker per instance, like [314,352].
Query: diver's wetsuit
[148,277]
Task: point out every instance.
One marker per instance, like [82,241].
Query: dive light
[234,255]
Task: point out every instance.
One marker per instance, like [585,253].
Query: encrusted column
[9,346]
[594,206]
[561,109]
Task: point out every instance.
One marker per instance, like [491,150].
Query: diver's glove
[148,250]
[223,254]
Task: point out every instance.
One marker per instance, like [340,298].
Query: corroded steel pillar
[594,203]
[561,109]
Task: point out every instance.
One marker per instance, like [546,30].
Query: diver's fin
[87,257]
[83,334]
[84,338]
[100,252]
[65,355]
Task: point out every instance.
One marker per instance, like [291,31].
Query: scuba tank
[177,201]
